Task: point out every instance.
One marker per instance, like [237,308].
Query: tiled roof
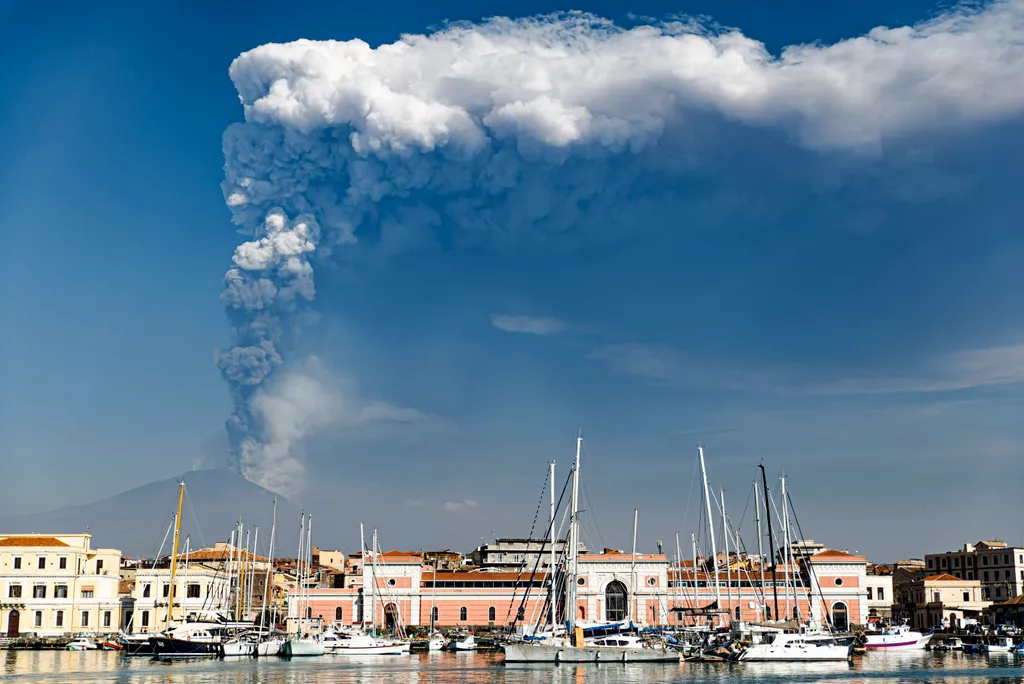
[829,554]
[219,555]
[31,540]
[944,577]
[443,576]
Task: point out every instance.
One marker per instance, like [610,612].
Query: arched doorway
[339,614]
[840,616]
[13,623]
[390,617]
[615,601]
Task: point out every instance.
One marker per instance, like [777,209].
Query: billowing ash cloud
[515,129]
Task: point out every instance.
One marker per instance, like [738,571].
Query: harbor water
[39,667]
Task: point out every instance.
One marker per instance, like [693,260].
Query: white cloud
[533,325]
[414,503]
[459,506]
[947,372]
[564,80]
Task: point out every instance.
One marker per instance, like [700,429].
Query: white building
[55,585]
[199,588]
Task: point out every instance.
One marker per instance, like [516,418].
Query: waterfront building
[611,586]
[57,585]
[514,554]
[1009,612]
[879,585]
[998,566]
[199,588]
[944,600]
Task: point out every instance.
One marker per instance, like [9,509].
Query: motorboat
[618,641]
[435,642]
[136,643]
[82,644]
[109,645]
[466,643]
[900,638]
[805,645]
[1000,645]
[362,644]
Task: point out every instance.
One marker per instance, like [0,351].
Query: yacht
[900,638]
[190,639]
[362,644]
[805,645]
[82,644]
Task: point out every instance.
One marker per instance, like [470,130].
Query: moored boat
[900,638]
[806,645]
[363,644]
[82,644]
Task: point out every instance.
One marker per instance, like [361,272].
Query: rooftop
[30,540]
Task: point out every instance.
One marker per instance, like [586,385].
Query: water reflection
[42,667]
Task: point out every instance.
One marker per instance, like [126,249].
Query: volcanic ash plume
[515,129]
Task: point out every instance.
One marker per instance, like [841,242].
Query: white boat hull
[268,648]
[237,649]
[435,644]
[913,641]
[382,649]
[539,653]
[794,653]
[294,648]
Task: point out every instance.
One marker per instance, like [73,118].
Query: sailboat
[574,649]
[270,644]
[300,645]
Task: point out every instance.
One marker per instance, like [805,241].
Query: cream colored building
[943,597]
[880,596]
[54,585]
[199,588]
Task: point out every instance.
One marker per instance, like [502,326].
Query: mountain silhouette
[137,521]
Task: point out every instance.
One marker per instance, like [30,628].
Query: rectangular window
[999,592]
[192,591]
[14,591]
[62,562]
[85,618]
[929,562]
[970,575]
[870,594]
[956,562]
[936,597]
[17,562]
[943,562]
[99,567]
[1009,574]
[145,618]
[167,590]
[106,618]
[42,562]
[984,576]
[59,620]
[87,593]
[970,561]
[984,560]
[967,596]
[39,618]
[39,591]
[1006,559]
[145,590]
[60,591]
[881,593]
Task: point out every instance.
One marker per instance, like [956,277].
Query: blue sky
[853,318]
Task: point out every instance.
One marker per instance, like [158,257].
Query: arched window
[737,612]
[462,613]
[583,613]
[434,612]
[338,613]
[309,613]
[796,613]
[615,601]
[840,616]
[490,614]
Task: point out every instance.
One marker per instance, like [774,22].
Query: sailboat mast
[570,583]
[309,562]
[362,605]
[174,552]
[298,571]
[270,571]
[243,561]
[693,550]
[771,539]
[760,549]
[679,572]
[552,594]
[711,525]
[787,551]
[373,601]
[433,594]
[252,573]
[632,570]
[728,564]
